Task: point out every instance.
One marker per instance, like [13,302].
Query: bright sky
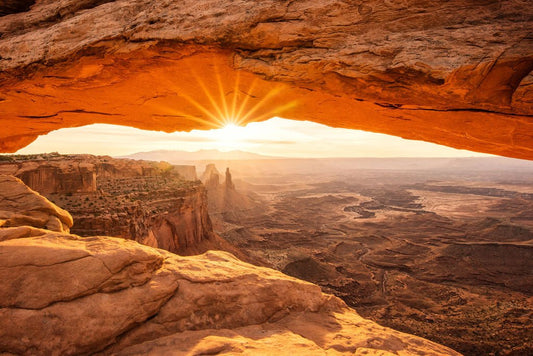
[274,137]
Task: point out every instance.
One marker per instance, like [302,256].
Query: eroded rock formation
[225,203]
[21,206]
[140,300]
[453,72]
[211,177]
[148,202]
[229,182]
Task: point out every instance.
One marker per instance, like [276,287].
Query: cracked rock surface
[64,294]
[452,72]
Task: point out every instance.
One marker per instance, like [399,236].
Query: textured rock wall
[49,179]
[453,72]
[185,225]
[145,201]
[52,174]
[177,222]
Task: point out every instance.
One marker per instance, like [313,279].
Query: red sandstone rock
[145,201]
[19,206]
[453,72]
[64,294]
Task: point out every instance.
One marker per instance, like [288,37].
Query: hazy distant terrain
[252,162]
[179,157]
[438,247]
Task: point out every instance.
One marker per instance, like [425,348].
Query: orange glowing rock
[417,71]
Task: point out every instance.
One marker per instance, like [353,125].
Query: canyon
[156,204]
[138,299]
[441,255]
[439,248]
[436,248]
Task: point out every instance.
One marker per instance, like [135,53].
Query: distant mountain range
[247,161]
[177,157]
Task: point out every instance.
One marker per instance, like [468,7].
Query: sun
[231,132]
[230,136]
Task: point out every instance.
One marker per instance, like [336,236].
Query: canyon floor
[446,254]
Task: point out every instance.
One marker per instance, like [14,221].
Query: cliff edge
[66,294]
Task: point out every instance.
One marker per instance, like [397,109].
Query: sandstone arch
[454,73]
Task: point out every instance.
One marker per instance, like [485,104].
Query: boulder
[62,294]
[21,206]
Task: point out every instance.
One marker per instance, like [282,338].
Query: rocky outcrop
[145,201]
[21,206]
[224,201]
[175,219]
[211,177]
[129,299]
[75,177]
[69,174]
[229,182]
[451,72]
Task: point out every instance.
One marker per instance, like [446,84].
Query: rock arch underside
[453,72]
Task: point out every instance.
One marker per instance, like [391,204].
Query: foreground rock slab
[62,294]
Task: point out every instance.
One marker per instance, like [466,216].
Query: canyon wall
[453,72]
[131,299]
[53,179]
[149,202]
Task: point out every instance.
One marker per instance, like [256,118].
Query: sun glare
[229,102]
[230,136]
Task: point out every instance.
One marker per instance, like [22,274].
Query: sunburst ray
[227,108]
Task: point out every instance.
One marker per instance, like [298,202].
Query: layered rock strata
[140,300]
[145,201]
[454,72]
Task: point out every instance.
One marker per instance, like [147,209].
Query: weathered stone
[149,202]
[20,206]
[452,72]
[63,294]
